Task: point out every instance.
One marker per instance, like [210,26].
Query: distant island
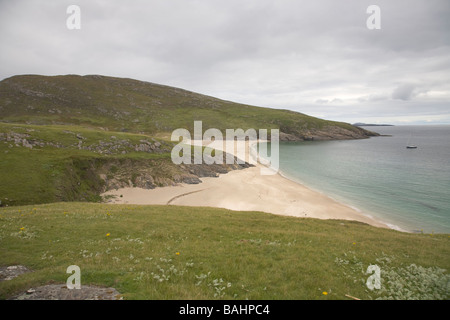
[360,124]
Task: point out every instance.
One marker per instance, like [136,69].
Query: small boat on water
[410,146]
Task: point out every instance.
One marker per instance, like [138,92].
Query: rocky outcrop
[61,292]
[328,133]
[11,272]
[25,140]
[114,146]
[118,174]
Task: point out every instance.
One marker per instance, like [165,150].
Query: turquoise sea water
[406,188]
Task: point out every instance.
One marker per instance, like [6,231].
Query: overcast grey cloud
[404,92]
[316,57]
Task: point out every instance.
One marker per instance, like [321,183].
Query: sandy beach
[247,190]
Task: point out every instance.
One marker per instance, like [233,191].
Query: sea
[408,189]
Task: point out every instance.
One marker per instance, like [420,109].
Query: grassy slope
[56,169]
[129,105]
[169,252]
[48,174]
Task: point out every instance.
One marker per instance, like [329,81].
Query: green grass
[59,171]
[170,252]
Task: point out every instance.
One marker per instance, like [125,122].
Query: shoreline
[248,190]
[360,211]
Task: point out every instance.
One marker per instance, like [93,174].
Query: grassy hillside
[170,252]
[127,105]
[49,163]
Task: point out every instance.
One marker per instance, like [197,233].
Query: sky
[315,57]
